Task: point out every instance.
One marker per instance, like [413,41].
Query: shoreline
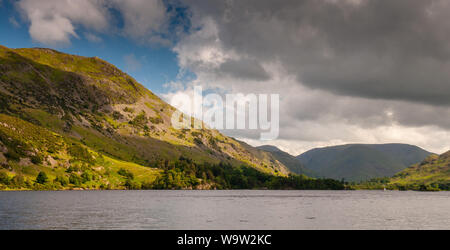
[346,190]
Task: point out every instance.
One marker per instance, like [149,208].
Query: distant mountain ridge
[269,148]
[292,163]
[358,162]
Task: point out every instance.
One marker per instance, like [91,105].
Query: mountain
[431,174]
[73,116]
[292,163]
[358,162]
[269,148]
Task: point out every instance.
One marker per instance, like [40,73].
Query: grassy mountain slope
[434,171]
[91,103]
[27,149]
[432,174]
[358,162]
[292,163]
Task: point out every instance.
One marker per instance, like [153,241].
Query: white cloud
[92,37]
[12,20]
[202,50]
[53,21]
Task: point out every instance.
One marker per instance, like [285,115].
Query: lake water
[224,210]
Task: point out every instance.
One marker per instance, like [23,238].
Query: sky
[347,71]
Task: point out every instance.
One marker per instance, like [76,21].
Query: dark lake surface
[241,209]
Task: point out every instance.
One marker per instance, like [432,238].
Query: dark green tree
[4,178]
[41,178]
[75,179]
[63,180]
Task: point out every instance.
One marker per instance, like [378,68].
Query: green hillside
[358,162]
[80,122]
[432,174]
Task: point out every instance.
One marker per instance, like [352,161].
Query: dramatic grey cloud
[395,49]
[348,71]
[244,69]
